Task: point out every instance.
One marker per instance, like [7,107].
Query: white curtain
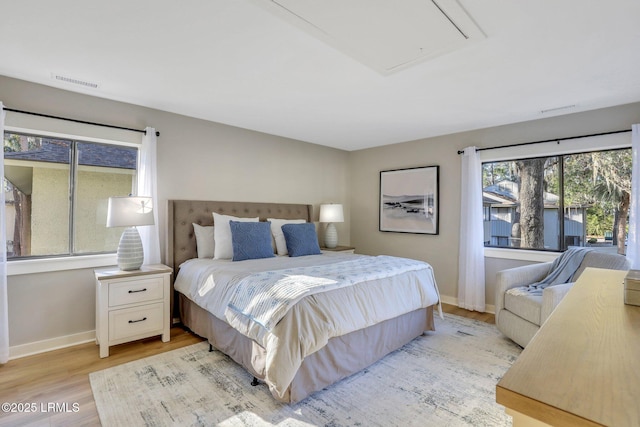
[471,251]
[147,186]
[633,241]
[4,304]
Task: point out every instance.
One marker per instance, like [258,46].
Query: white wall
[197,159]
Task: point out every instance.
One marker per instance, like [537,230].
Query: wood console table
[583,366]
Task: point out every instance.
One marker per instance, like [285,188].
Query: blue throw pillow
[301,239]
[251,240]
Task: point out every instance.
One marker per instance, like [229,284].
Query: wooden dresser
[583,366]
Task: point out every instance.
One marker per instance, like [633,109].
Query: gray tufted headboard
[181,240]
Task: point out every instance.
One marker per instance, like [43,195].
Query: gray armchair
[519,316]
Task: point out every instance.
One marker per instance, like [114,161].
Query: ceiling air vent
[553,110]
[74,81]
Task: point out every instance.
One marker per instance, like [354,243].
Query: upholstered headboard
[181,240]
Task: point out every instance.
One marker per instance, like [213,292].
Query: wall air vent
[386,35]
[74,81]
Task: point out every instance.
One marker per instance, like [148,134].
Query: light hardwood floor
[62,377]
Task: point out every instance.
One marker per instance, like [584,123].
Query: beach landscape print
[409,200]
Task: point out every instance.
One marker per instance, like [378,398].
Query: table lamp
[130,212]
[331,213]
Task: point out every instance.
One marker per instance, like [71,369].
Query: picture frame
[409,200]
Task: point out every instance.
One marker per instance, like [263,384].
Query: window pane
[37,195]
[522,203]
[578,198]
[57,192]
[597,194]
[103,171]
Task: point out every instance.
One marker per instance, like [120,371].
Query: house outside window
[555,202]
[56,193]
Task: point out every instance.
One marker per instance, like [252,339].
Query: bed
[324,335]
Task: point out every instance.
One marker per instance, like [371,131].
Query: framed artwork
[409,200]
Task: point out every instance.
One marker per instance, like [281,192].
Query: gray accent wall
[441,251]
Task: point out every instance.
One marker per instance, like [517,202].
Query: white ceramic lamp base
[130,253]
[331,236]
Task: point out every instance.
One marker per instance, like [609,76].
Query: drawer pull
[138,290]
[139,320]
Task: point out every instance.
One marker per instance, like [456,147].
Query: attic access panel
[386,35]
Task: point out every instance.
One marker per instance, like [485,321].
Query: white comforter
[312,321]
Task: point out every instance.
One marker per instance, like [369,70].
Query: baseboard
[449,300]
[43,346]
[488,308]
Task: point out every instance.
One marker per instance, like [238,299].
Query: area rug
[443,378]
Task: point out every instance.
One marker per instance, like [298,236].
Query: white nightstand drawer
[130,322]
[135,291]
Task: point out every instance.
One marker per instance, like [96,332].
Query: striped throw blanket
[260,300]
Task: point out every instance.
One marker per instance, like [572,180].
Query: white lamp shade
[331,213]
[129,211]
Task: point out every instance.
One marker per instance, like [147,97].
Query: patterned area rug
[443,378]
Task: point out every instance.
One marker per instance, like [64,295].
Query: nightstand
[346,249]
[131,305]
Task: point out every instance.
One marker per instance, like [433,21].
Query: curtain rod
[549,140]
[77,121]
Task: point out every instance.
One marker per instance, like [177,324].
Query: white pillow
[204,240]
[278,235]
[222,234]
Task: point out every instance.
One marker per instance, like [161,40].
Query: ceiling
[349,74]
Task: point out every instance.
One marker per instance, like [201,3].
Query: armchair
[518,315]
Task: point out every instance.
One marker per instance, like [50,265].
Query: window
[551,203]
[56,194]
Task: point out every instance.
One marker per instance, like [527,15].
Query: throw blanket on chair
[562,270]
